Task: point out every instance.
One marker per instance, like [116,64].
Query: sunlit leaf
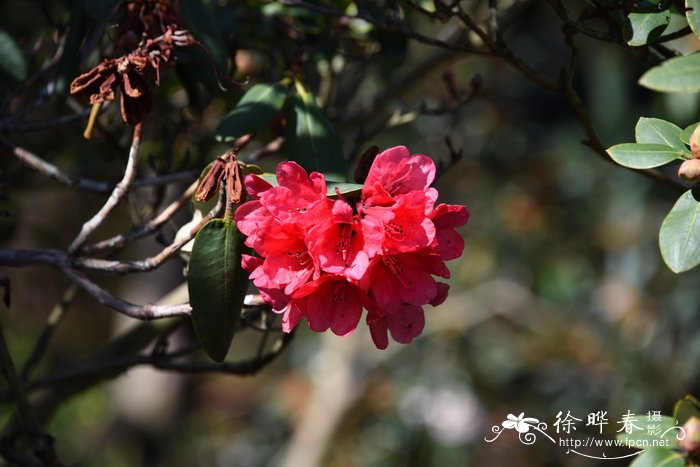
[685,408]
[687,133]
[644,156]
[257,107]
[642,26]
[679,74]
[345,189]
[217,285]
[692,14]
[310,139]
[657,131]
[650,433]
[679,237]
[659,457]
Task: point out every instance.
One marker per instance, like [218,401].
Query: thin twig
[40,442]
[50,170]
[119,192]
[143,312]
[151,226]
[43,341]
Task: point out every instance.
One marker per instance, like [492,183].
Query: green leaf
[659,457]
[679,74]
[648,433]
[679,237]
[688,132]
[644,156]
[217,285]
[99,9]
[310,139]
[12,61]
[685,408]
[345,189]
[692,14]
[642,26]
[657,131]
[67,65]
[257,107]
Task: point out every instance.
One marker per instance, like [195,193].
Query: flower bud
[695,142]
[691,441]
[690,171]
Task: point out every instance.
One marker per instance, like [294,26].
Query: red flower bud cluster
[324,260]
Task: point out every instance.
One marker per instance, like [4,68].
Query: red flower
[324,260]
[343,243]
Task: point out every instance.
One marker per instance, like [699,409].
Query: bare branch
[50,170]
[143,312]
[43,341]
[151,226]
[119,192]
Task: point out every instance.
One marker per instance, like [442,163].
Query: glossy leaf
[659,457]
[679,237]
[642,26]
[692,14]
[657,131]
[217,285]
[685,408]
[644,156]
[257,107]
[686,134]
[345,189]
[12,61]
[679,74]
[642,433]
[310,139]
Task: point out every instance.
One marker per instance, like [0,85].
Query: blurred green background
[561,301]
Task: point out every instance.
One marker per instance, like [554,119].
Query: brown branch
[98,369]
[462,46]
[40,165]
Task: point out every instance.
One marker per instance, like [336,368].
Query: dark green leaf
[659,457]
[199,17]
[679,237]
[685,408]
[657,131]
[67,66]
[687,133]
[679,74]
[99,9]
[12,61]
[642,26]
[692,14]
[257,107]
[643,156]
[310,139]
[217,285]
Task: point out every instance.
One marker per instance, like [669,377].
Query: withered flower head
[128,74]
[125,74]
[146,18]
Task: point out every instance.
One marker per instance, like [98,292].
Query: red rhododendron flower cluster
[324,259]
